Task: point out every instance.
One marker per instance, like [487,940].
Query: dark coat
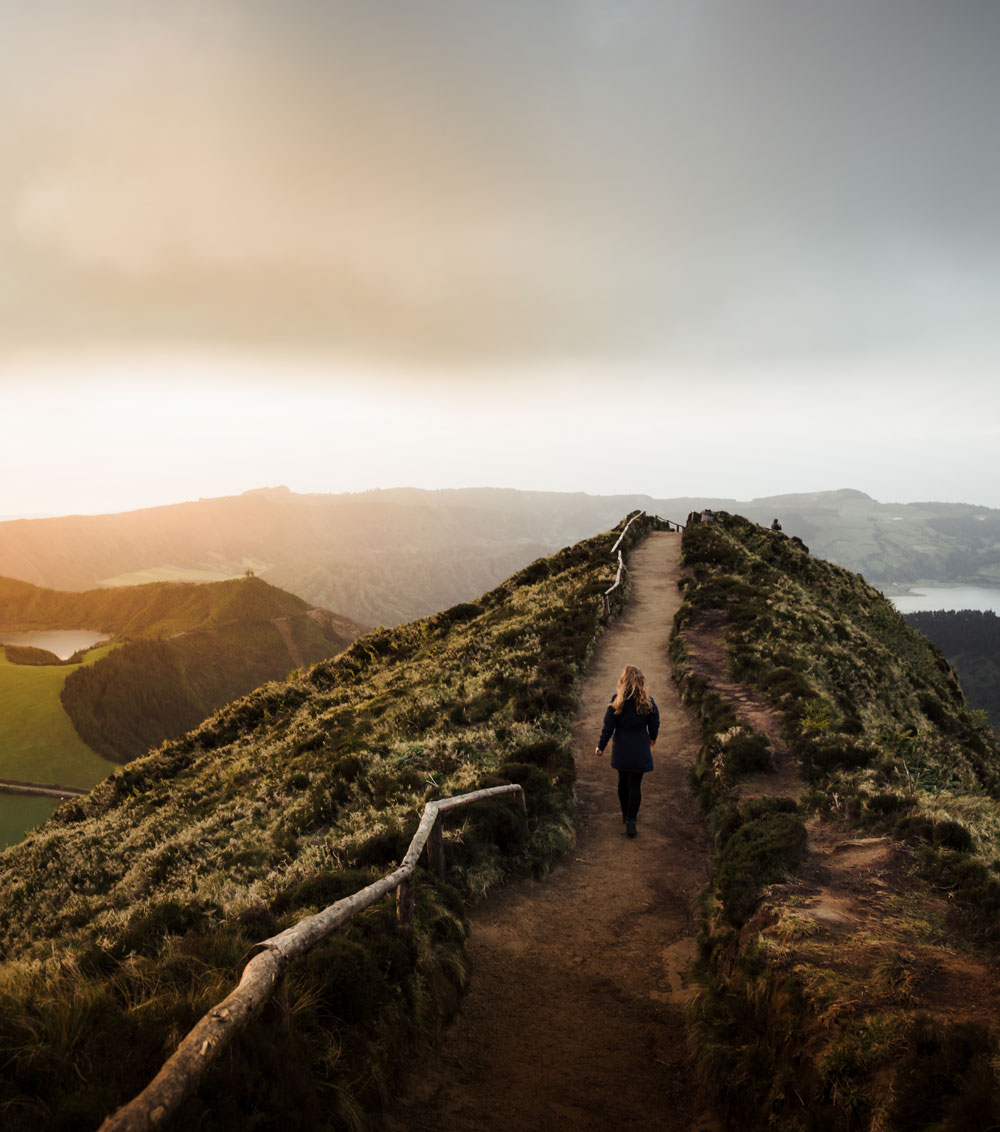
[633,733]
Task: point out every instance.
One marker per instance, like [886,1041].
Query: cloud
[471,182]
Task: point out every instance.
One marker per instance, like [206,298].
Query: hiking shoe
[630,828]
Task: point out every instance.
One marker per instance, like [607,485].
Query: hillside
[889,543]
[848,961]
[970,639]
[379,557]
[183,650]
[382,557]
[161,609]
[126,915]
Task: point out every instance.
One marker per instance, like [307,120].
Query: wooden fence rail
[670,524]
[154,1106]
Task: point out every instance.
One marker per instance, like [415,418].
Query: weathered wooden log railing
[621,562]
[669,524]
[154,1106]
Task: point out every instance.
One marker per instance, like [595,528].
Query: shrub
[760,852]
[946,1078]
[826,754]
[457,614]
[747,753]
[947,833]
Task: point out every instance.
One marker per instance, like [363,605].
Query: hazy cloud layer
[714,181]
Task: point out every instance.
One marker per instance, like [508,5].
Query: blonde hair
[632,683]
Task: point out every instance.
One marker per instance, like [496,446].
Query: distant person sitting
[775,525]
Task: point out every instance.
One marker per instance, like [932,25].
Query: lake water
[922,598]
[63,642]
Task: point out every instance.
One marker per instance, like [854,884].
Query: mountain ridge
[388,556]
[131,911]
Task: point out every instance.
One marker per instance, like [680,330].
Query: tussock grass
[786,1033]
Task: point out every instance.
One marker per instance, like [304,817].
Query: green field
[21,812]
[37,740]
[174,574]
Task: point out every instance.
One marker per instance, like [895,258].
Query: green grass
[126,915]
[37,740]
[21,812]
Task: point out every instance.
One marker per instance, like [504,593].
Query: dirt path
[705,637]
[574,1018]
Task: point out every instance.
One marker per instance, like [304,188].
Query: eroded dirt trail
[574,1017]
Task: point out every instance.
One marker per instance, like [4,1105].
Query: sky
[684,247]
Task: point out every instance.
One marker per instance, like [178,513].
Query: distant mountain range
[184,650]
[391,556]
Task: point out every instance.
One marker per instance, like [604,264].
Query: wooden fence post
[524,811]
[435,850]
[405,901]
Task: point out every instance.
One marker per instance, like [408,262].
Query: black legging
[630,792]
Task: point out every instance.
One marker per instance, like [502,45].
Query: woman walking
[634,721]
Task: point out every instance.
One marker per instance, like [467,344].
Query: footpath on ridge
[574,1019]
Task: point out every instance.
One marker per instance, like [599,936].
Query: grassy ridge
[127,914]
[155,689]
[158,609]
[794,1026]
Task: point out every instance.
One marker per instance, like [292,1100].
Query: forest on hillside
[151,690]
[970,639]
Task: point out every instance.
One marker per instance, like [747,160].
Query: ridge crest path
[574,1018]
